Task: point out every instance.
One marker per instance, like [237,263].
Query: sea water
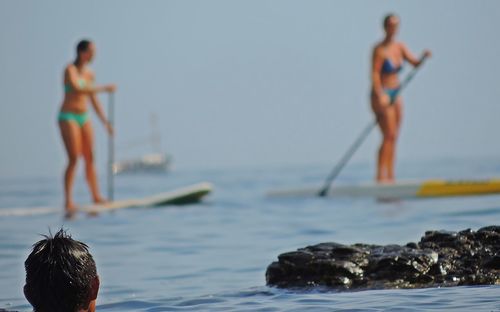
[213,256]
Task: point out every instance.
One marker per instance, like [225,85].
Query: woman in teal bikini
[388,58]
[74,123]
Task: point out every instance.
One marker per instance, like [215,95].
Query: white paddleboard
[400,189]
[186,195]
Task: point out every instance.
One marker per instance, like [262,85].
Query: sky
[237,83]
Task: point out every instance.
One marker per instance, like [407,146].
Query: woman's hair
[82,46]
[387,18]
[59,274]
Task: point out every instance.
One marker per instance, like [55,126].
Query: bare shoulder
[378,49]
[69,71]
[69,68]
[377,46]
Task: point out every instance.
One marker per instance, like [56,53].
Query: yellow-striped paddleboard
[401,189]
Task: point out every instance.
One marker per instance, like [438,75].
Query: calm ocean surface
[213,256]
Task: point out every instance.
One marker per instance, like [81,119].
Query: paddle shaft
[111,147]
[366,131]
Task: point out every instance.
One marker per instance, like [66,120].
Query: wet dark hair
[59,274]
[387,18]
[82,46]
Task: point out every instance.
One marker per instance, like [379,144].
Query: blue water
[213,256]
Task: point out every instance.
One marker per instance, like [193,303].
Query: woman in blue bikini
[388,58]
[76,128]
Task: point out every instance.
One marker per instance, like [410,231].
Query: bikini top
[389,68]
[81,82]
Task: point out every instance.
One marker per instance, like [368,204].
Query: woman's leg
[390,141]
[398,113]
[71,135]
[376,108]
[88,155]
[385,120]
[387,126]
[382,151]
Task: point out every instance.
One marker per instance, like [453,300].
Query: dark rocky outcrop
[441,258]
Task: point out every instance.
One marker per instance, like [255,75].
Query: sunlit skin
[93,295]
[79,141]
[388,116]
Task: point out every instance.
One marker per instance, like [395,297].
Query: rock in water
[441,258]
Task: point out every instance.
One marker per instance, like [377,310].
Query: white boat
[154,162]
[400,189]
[150,163]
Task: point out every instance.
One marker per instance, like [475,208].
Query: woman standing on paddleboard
[74,123]
[388,59]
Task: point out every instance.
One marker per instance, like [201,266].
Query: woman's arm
[377,62]
[98,108]
[100,113]
[408,56]
[72,78]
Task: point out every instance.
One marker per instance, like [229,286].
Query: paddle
[111,147]
[343,161]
